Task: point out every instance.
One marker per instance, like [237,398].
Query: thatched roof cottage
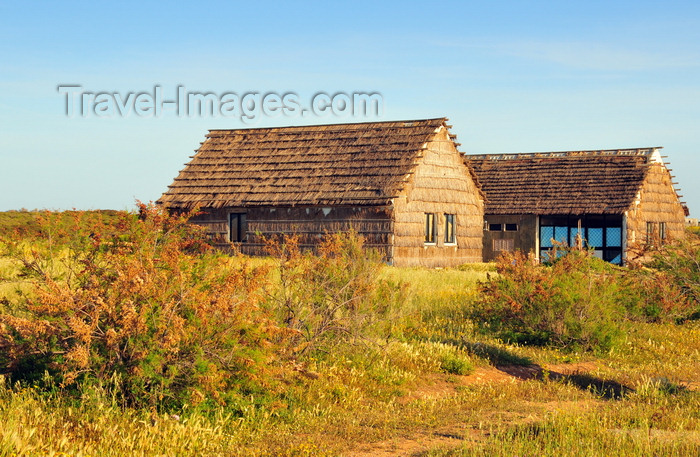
[611,199]
[402,185]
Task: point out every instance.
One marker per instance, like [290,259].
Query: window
[503,245]
[237,227]
[613,236]
[495,227]
[511,227]
[430,228]
[662,231]
[650,232]
[595,237]
[450,237]
[600,232]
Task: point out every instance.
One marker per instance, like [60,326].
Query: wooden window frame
[662,231]
[237,227]
[492,225]
[651,231]
[430,228]
[450,229]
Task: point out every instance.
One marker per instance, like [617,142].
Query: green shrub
[679,263]
[430,357]
[142,301]
[664,279]
[456,363]
[654,295]
[333,296]
[574,303]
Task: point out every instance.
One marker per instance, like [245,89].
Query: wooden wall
[524,239]
[441,185]
[215,221]
[309,223]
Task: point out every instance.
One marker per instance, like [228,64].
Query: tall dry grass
[426,383]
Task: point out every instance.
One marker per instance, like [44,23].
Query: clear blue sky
[511,76]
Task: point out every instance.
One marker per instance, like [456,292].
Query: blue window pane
[546,235]
[561,234]
[595,237]
[613,236]
[614,256]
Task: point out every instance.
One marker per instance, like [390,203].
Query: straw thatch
[657,202]
[574,182]
[378,178]
[633,184]
[342,164]
[441,185]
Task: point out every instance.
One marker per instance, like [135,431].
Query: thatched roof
[571,182]
[341,164]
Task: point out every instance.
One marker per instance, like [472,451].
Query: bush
[330,297]
[653,295]
[456,363]
[679,263]
[665,279]
[144,302]
[574,303]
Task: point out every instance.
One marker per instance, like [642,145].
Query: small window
[450,237]
[650,232]
[503,245]
[430,228]
[237,227]
[662,231]
[495,227]
[511,227]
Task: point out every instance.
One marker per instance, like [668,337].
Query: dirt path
[454,435]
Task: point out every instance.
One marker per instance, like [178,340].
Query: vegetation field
[329,355]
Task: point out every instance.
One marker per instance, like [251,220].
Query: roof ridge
[647,152]
[405,121]
[367,162]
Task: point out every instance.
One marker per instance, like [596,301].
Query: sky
[511,76]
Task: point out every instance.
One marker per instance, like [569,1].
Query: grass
[432,387]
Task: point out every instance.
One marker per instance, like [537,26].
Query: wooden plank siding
[310,224]
[523,239]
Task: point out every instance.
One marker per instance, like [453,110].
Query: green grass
[14,220]
[441,285]
[432,387]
